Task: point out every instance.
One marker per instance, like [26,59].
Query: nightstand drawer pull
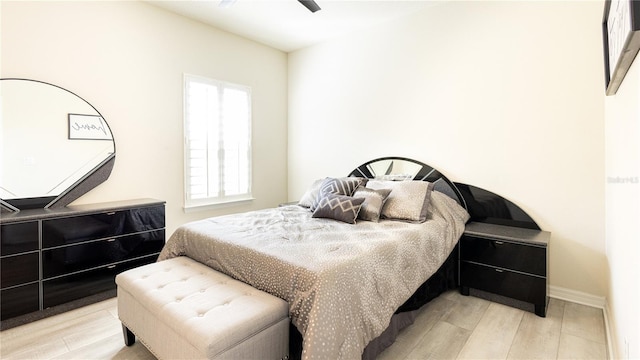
[111,267]
[499,270]
[498,242]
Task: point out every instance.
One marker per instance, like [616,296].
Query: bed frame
[446,278]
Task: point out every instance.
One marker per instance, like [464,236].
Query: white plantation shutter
[217,128]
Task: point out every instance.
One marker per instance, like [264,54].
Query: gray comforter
[343,282]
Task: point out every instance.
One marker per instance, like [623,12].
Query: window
[217,130]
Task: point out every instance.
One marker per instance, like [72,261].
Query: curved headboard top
[490,208]
[400,168]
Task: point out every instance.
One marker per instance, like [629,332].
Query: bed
[354,258]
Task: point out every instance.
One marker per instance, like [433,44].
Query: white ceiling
[286,24]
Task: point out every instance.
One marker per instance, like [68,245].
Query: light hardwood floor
[450,327]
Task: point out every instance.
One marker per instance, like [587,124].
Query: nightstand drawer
[515,285]
[503,254]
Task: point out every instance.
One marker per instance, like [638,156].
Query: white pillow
[310,197]
[408,200]
[373,202]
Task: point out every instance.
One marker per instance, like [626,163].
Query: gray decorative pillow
[408,201]
[338,207]
[310,197]
[373,202]
[339,186]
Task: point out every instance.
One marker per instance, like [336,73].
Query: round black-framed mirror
[56,146]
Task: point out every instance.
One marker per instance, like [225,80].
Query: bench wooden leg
[129,337]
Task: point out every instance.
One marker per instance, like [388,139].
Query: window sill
[217,205]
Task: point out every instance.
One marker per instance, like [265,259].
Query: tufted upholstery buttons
[176,295]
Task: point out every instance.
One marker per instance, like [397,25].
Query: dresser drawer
[18,238]
[19,269]
[73,258]
[515,285]
[76,286]
[19,300]
[65,231]
[143,219]
[524,258]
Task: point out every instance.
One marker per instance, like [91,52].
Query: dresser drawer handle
[499,270]
[111,240]
[498,242]
[111,267]
[111,213]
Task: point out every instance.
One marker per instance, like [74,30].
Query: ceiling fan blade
[310,4]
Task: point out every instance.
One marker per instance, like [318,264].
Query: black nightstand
[504,260]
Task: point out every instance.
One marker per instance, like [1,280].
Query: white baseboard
[599,302]
[608,327]
[577,297]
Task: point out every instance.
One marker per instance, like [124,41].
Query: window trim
[213,202]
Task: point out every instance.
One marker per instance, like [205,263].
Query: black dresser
[49,258]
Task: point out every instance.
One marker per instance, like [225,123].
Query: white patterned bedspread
[343,282]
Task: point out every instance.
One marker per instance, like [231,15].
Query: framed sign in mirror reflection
[88,127]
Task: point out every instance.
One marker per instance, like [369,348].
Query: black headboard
[483,206]
[487,207]
[400,168]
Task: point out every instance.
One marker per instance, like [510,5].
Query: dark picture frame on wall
[621,36]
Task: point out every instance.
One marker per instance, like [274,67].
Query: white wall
[623,211]
[507,96]
[503,95]
[127,59]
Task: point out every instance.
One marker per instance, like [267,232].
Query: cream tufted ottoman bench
[181,309]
